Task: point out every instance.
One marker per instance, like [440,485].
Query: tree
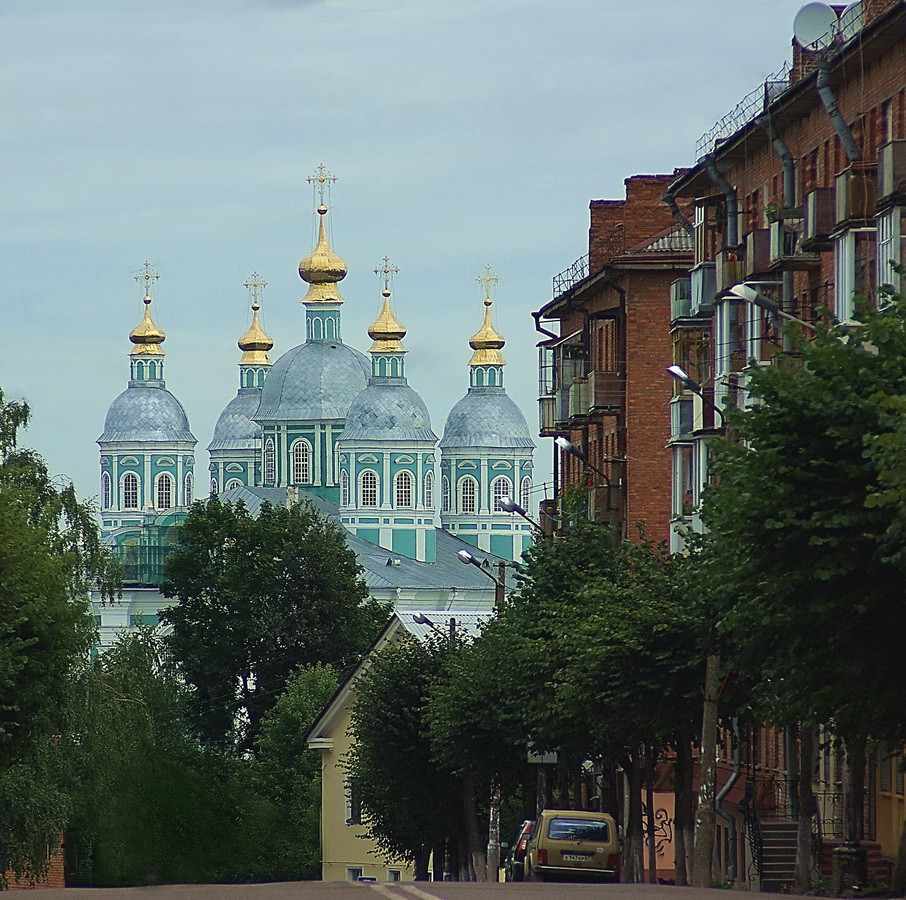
[256,598]
[50,554]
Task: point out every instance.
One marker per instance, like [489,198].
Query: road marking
[416,892]
[386,892]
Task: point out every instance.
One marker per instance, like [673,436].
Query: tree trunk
[899,873]
[853,793]
[439,867]
[633,846]
[494,833]
[649,800]
[474,850]
[805,859]
[702,866]
[682,815]
[421,864]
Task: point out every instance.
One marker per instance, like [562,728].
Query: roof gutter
[540,328]
[830,104]
[670,199]
[729,193]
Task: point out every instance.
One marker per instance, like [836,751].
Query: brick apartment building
[798,193]
[601,372]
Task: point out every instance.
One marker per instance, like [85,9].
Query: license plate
[577,857]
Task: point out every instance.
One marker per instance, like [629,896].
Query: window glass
[404,489]
[130,491]
[468,496]
[429,489]
[270,462]
[578,830]
[368,489]
[164,492]
[502,487]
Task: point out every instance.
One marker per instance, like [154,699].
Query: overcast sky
[462,133]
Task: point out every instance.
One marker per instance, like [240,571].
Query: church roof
[486,417]
[146,412]
[388,410]
[235,428]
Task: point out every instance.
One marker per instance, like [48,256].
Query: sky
[462,134]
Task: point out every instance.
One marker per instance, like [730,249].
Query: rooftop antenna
[815,26]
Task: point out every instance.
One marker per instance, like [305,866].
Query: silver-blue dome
[146,412]
[235,429]
[388,410]
[486,417]
[314,381]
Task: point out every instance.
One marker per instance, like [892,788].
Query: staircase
[778,855]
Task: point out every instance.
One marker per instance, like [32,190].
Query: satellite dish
[815,26]
[851,20]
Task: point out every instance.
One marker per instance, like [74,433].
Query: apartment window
[130,491]
[730,345]
[683,480]
[344,488]
[854,269]
[403,492]
[187,489]
[368,489]
[444,494]
[468,495]
[353,873]
[886,780]
[394,875]
[429,490]
[891,249]
[301,462]
[105,491]
[525,494]
[270,462]
[501,487]
[164,492]
[353,804]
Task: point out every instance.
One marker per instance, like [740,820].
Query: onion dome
[486,342]
[314,381]
[146,412]
[255,342]
[386,330]
[486,417]
[322,268]
[146,336]
[388,412]
[236,428]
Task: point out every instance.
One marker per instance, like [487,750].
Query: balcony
[729,270]
[606,392]
[704,288]
[605,504]
[141,563]
[856,193]
[680,299]
[819,218]
[786,253]
[553,413]
[892,174]
[578,399]
[681,418]
[758,252]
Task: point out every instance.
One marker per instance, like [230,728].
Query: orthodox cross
[255,285]
[487,280]
[321,182]
[146,279]
[386,273]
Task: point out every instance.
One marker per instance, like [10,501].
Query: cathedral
[332,426]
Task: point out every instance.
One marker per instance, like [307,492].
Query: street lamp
[421,619]
[679,373]
[508,504]
[752,295]
[568,446]
[499,579]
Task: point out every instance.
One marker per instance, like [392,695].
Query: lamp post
[679,373]
[567,446]
[421,619]
[508,504]
[499,579]
[750,294]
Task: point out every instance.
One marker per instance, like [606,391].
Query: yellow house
[346,853]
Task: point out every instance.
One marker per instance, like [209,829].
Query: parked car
[513,867]
[568,844]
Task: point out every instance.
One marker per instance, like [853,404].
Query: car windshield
[578,830]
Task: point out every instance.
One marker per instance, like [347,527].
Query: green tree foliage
[258,597]
[410,803]
[50,553]
[805,549]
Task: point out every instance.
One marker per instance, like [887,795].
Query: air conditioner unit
[704,288]
[856,193]
[680,298]
[892,170]
[758,252]
[819,217]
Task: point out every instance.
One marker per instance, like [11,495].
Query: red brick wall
[56,876]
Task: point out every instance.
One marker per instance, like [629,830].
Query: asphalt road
[314,890]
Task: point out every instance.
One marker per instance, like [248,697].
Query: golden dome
[386,330]
[322,268]
[486,342]
[255,342]
[146,336]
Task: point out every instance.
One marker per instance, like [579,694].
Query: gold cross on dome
[255,285]
[321,181]
[146,279]
[488,279]
[386,272]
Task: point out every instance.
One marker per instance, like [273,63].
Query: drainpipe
[731,822]
[732,205]
[830,104]
[789,201]
[670,199]
[540,328]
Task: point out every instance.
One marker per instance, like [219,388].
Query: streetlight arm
[569,447]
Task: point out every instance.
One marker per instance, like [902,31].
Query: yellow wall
[891,804]
[344,846]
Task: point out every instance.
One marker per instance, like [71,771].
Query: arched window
[525,494]
[344,488]
[301,462]
[404,490]
[187,483]
[429,490]
[500,487]
[368,489]
[444,494]
[164,492]
[214,489]
[468,495]
[105,491]
[130,491]
[270,461]
[233,483]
